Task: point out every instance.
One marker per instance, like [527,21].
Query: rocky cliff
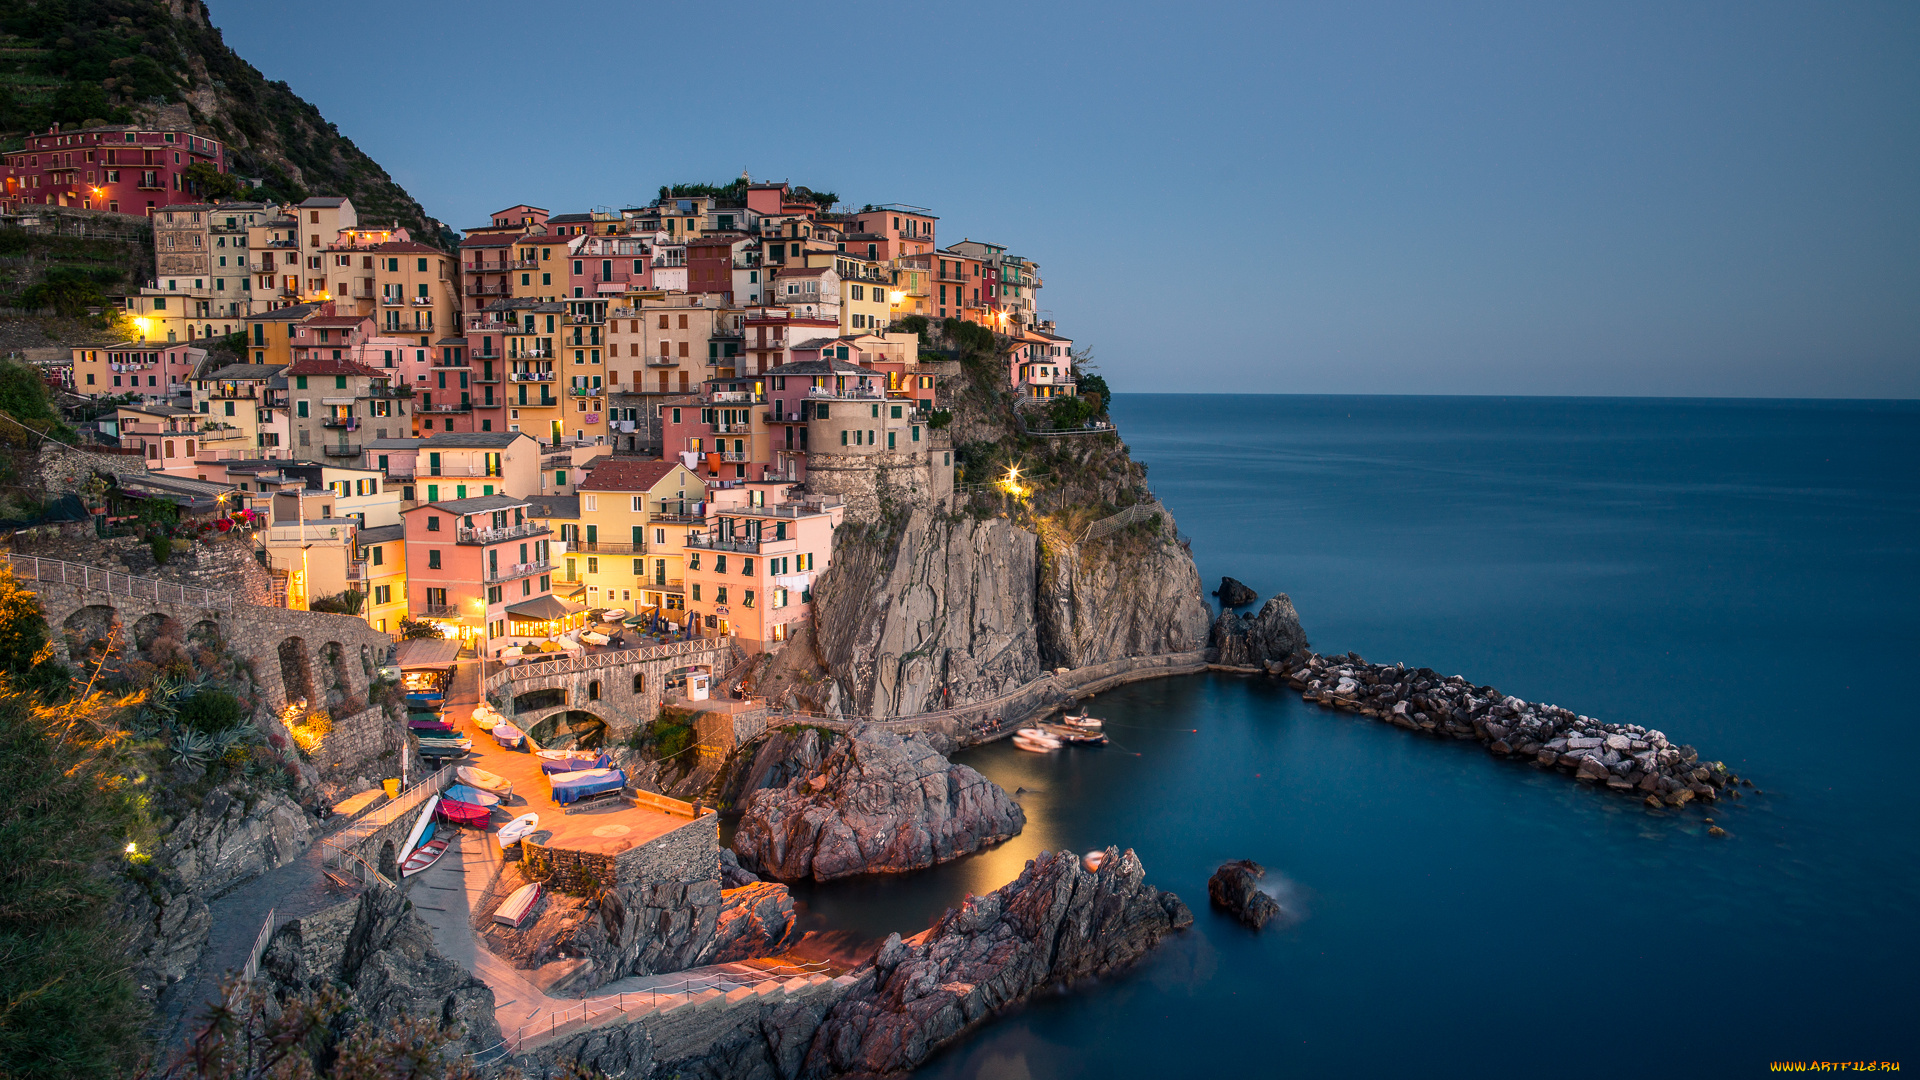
[1272,637]
[951,610]
[880,803]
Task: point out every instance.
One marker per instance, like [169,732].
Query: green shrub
[210,711]
[162,547]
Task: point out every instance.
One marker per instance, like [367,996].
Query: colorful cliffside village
[580,429]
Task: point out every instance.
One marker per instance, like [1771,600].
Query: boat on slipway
[1035,740]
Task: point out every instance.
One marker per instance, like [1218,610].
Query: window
[719,594]
[589,502]
[300,407]
[494,595]
[433,558]
[378,552]
[299,382]
[746,567]
[560,475]
[593,565]
[746,598]
[639,504]
[383,594]
[719,564]
[693,560]
[433,521]
[593,690]
[640,683]
[696,590]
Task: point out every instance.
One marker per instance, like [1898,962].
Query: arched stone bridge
[623,688]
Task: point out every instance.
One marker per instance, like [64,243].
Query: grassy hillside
[126,61]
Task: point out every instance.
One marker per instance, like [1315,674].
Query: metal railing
[604,547]
[340,846]
[30,568]
[518,570]
[1115,522]
[745,545]
[495,536]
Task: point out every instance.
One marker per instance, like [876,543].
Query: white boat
[507,735]
[465,794]
[484,780]
[518,906]
[1035,740]
[594,637]
[485,718]
[518,829]
[1082,721]
[559,755]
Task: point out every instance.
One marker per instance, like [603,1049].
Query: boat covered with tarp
[574,786]
[574,764]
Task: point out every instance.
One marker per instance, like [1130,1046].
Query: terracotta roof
[618,474]
[332,367]
[407,245]
[489,240]
[338,320]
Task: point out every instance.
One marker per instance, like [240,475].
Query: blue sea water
[1743,575]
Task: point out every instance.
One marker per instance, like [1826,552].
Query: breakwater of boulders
[1623,757]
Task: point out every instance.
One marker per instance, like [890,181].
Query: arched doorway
[296,671]
[389,860]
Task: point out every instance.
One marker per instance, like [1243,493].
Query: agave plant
[195,746]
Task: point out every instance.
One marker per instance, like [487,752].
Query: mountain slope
[135,61]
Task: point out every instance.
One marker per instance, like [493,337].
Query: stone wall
[877,481]
[581,873]
[663,910]
[361,749]
[614,700]
[65,470]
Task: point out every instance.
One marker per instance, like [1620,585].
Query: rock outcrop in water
[1271,637]
[1057,922]
[1234,594]
[880,802]
[1624,757]
[1235,889]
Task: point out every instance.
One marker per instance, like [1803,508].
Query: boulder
[1054,924]
[881,803]
[1259,640]
[755,921]
[1233,594]
[732,874]
[1235,889]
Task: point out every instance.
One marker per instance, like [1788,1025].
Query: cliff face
[945,603]
[954,611]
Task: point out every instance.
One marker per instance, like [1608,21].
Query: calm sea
[1742,575]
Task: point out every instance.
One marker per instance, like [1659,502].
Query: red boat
[460,813]
[423,856]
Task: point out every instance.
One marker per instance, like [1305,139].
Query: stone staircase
[681,1018]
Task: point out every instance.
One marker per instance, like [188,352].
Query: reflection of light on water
[1004,1067]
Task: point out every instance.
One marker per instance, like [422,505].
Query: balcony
[421,301]
[345,423]
[451,407]
[531,354]
[672,585]
[724,428]
[486,267]
[460,471]
[342,450]
[675,517]
[583,391]
[499,536]
[827,393]
[604,547]
[483,325]
[519,570]
[356,571]
[745,545]
[663,361]
[235,393]
[532,376]
[525,264]
[486,290]
[440,611]
[386,392]
[393,301]
[735,397]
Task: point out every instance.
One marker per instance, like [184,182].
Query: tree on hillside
[25,653]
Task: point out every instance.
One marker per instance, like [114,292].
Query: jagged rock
[880,803]
[1233,594]
[378,949]
[1235,889]
[1272,636]
[1053,924]
[755,920]
[732,874]
[227,840]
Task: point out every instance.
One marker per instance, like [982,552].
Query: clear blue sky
[1482,198]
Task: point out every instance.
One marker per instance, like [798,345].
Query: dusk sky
[1623,199]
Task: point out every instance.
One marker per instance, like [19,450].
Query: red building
[119,168]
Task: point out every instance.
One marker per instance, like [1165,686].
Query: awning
[544,608]
[428,653]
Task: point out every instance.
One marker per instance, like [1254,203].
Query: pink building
[482,568]
[750,570]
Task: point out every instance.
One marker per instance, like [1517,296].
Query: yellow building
[629,548]
[383,554]
[864,284]
[537,269]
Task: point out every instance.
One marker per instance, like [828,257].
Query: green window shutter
[433,493]
[299,382]
[339,382]
[639,537]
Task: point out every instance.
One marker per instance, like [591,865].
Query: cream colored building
[633,517]
[470,464]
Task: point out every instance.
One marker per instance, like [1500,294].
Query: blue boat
[574,786]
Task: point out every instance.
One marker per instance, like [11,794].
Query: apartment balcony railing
[531,376]
[450,407]
[486,290]
[311,531]
[599,279]
[486,267]
[440,611]
[518,570]
[789,510]
[341,450]
[673,584]
[742,397]
[386,392]
[531,354]
[828,393]
[393,301]
[745,545]
[583,391]
[356,571]
[663,361]
[526,264]
[347,423]
[721,427]
[484,325]
[501,535]
[604,547]
[235,393]
[461,471]
[421,301]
